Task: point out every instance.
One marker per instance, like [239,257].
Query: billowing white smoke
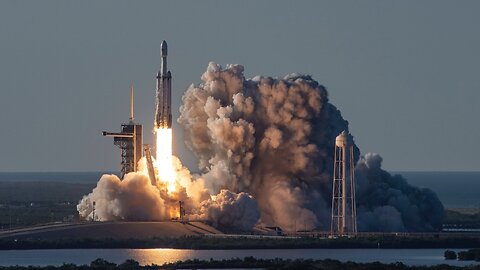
[265,149]
[133,198]
[273,139]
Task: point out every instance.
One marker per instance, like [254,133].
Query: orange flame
[164,161]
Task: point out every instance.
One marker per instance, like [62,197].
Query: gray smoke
[230,210]
[389,203]
[273,139]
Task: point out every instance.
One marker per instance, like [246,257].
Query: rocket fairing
[163,112]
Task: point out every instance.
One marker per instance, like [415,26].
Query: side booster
[163,113]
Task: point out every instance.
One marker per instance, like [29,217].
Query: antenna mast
[131,104]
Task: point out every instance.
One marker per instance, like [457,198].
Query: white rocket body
[163,112]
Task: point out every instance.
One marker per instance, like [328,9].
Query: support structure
[344,218]
[181,205]
[150,168]
[130,140]
[93,212]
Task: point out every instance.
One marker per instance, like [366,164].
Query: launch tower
[344,220]
[129,140]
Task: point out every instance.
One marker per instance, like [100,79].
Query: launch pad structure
[150,168]
[130,140]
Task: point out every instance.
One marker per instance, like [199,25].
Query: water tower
[344,219]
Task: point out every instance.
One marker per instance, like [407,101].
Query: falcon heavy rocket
[163,111]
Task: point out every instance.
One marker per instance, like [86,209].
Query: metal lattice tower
[344,218]
[130,142]
[126,140]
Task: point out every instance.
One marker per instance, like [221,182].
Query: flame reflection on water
[408,256]
[166,255]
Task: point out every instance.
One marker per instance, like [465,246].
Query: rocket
[163,111]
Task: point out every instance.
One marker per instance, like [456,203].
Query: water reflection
[162,255]
[407,256]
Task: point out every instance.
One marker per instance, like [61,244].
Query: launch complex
[156,163]
[130,141]
[130,138]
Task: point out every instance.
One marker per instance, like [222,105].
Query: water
[160,256]
[63,177]
[454,189]
[449,186]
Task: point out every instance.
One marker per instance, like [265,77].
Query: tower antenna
[129,140]
[131,104]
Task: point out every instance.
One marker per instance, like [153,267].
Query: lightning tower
[344,218]
[129,140]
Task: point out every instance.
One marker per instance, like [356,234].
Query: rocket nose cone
[164,47]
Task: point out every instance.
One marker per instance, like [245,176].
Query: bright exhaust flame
[164,158]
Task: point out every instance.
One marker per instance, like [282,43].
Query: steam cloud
[265,151]
[133,198]
[273,139]
[389,203]
[230,210]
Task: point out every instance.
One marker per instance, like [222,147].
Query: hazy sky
[405,74]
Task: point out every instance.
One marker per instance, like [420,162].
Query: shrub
[466,255]
[450,255]
[102,264]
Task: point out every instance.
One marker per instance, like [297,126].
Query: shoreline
[249,262]
[209,243]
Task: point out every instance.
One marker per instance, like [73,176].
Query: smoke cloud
[389,203]
[230,210]
[273,139]
[133,198]
[265,150]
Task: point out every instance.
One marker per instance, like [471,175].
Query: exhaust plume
[265,150]
[132,198]
[273,139]
[230,210]
[389,203]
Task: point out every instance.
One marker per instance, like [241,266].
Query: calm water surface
[160,256]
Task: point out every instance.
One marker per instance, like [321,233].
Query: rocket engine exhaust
[163,121]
